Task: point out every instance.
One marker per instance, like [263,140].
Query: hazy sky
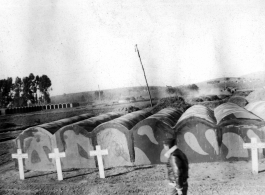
[81,44]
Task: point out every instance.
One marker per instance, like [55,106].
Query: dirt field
[228,178]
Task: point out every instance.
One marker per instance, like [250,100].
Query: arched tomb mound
[38,141]
[149,134]
[237,126]
[257,108]
[115,136]
[227,112]
[54,126]
[239,100]
[76,141]
[256,95]
[197,134]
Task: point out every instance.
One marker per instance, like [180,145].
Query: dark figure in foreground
[178,167]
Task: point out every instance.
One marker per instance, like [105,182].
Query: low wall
[28,109]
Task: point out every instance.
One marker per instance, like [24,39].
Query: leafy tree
[24,90]
[5,91]
[17,89]
[44,87]
[34,86]
[27,89]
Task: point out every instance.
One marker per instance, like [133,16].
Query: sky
[83,45]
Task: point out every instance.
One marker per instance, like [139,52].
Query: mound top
[239,100]
[257,95]
[174,102]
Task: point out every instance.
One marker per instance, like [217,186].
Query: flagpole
[144,75]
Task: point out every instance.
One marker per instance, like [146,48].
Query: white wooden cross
[254,145]
[20,157]
[57,157]
[99,153]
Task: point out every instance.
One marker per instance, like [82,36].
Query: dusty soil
[205,178]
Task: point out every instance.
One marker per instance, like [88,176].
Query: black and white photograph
[143,97]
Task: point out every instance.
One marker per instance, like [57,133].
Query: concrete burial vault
[115,137]
[257,108]
[237,126]
[39,141]
[196,134]
[148,136]
[76,141]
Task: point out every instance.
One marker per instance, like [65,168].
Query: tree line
[25,91]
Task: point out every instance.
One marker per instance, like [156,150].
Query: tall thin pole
[144,75]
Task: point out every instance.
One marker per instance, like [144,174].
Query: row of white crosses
[254,145]
[57,155]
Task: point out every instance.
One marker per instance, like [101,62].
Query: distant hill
[255,75]
[214,86]
[246,82]
[109,95]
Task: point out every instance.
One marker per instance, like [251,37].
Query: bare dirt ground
[205,178]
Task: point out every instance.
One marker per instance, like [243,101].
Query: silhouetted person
[178,167]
